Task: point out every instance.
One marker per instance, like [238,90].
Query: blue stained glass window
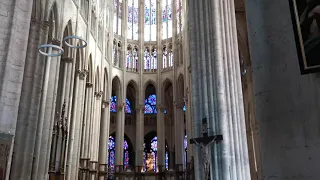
[113,105]
[167,160]
[111,150]
[150,105]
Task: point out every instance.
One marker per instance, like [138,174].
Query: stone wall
[287,103]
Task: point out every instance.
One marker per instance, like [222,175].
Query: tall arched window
[167,57]
[112,153]
[150,104]
[114,52]
[150,20]
[150,59]
[164,57]
[113,105]
[170,56]
[179,15]
[166,19]
[132,59]
[117,17]
[133,19]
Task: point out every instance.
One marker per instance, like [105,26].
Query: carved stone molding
[106,102]
[121,105]
[56,42]
[98,94]
[67,59]
[34,22]
[82,73]
[89,85]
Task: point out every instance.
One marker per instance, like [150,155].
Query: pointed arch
[105,85]
[132,95]
[53,18]
[150,82]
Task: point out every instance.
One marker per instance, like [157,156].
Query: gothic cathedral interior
[159,89]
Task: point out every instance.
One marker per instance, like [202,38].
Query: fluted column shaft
[216,87]
[161,136]
[119,132]
[179,134]
[104,137]
[25,135]
[139,135]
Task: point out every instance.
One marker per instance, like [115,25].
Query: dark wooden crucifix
[204,143]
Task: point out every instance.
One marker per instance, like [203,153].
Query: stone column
[139,135]
[25,135]
[179,133]
[160,136]
[84,156]
[119,131]
[74,134]
[216,87]
[104,138]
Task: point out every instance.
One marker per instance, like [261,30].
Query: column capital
[56,42]
[45,24]
[120,106]
[82,73]
[89,85]
[98,94]
[105,103]
[67,59]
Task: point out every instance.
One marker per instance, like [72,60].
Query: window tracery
[166,19]
[150,20]
[150,156]
[132,59]
[117,16]
[150,104]
[133,19]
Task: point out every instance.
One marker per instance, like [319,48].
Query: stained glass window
[167,160]
[147,59]
[111,150]
[185,144]
[150,158]
[150,23]
[117,16]
[164,58]
[132,59]
[150,104]
[167,57]
[166,19]
[150,59]
[113,105]
[179,15]
[133,19]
